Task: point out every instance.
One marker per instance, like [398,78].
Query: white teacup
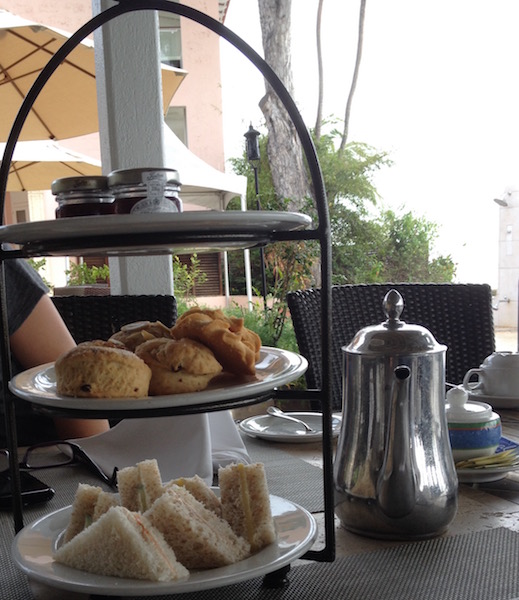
[498,375]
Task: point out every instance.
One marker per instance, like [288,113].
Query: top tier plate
[188,232]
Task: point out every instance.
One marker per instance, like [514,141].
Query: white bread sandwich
[90,502]
[140,486]
[198,488]
[122,544]
[246,503]
[199,538]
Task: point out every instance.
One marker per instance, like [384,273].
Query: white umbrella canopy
[202,184]
[67,105]
[36,164]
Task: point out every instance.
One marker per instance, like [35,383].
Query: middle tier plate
[275,368]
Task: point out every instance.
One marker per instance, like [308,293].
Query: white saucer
[495,401]
[488,474]
[275,429]
[484,475]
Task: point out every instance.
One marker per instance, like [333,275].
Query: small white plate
[274,368]
[495,401]
[484,475]
[276,429]
[34,546]
[488,474]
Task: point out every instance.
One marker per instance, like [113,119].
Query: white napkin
[183,445]
[226,443]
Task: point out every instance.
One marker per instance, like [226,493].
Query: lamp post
[253,156]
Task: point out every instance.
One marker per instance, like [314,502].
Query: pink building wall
[200,92]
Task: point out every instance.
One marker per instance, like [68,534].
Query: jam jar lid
[460,409]
[78,184]
[141,175]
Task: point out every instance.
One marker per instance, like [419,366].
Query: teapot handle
[396,482]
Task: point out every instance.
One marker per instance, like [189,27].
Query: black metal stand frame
[321,233]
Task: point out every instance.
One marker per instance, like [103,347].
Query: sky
[438,91]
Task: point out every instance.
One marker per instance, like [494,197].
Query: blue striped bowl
[470,440]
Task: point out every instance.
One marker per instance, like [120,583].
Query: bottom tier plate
[34,545]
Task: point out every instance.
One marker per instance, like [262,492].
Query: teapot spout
[396,483]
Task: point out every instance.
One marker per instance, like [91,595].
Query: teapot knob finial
[393,305]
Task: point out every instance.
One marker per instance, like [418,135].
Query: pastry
[101,370]
[235,347]
[133,334]
[178,366]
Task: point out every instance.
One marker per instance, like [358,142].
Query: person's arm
[41,338]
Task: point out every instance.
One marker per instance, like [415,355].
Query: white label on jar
[155,201]
[153,206]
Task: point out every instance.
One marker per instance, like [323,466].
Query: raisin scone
[101,370]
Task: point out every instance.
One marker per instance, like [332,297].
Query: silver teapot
[394,473]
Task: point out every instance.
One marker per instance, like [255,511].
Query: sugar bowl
[474,428]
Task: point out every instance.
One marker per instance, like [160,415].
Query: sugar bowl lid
[460,409]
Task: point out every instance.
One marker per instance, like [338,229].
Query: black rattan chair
[458,315]
[98,317]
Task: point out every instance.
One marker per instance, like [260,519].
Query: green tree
[369,243]
[390,247]
[186,277]
[407,249]
[82,274]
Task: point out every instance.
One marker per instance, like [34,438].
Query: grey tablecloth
[288,477]
[477,566]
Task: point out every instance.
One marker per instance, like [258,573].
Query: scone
[234,346]
[101,370]
[178,366]
[133,334]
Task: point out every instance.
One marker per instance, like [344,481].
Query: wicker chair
[458,315]
[98,317]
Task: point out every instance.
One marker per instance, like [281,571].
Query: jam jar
[82,196]
[145,190]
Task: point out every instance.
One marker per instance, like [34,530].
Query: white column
[508,273]
[130,124]
[246,262]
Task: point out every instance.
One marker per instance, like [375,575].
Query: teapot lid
[394,336]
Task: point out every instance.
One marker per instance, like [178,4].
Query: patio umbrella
[36,164]
[67,105]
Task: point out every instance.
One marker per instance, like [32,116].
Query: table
[481,506]
[487,521]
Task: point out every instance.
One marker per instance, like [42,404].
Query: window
[176,121]
[21,216]
[170,41]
